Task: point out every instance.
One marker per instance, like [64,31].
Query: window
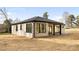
[41,28]
[20,26]
[16,27]
[38,28]
[29,28]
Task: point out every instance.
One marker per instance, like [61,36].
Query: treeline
[7,25]
[71,21]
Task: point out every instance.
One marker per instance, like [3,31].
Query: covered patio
[50,29]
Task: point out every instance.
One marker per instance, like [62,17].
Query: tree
[10,20]
[7,21]
[45,15]
[77,20]
[7,25]
[71,19]
[16,20]
[4,13]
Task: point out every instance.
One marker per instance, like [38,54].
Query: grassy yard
[66,42]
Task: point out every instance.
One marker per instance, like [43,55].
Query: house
[37,27]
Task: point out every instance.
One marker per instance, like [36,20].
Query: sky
[55,13]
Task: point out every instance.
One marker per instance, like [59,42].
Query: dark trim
[60,29]
[20,26]
[40,21]
[39,27]
[53,29]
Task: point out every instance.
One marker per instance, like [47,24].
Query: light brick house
[37,27]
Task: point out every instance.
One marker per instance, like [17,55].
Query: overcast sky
[54,13]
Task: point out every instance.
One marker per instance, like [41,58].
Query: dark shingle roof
[38,19]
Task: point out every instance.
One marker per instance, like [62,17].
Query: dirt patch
[66,42]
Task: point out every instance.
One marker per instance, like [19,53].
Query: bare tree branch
[4,13]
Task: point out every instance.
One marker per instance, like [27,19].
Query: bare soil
[69,41]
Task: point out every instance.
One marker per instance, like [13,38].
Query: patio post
[60,29]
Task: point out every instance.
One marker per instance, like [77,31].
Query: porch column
[33,29]
[60,29]
[53,29]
